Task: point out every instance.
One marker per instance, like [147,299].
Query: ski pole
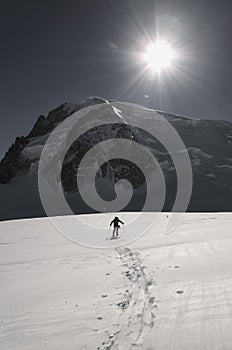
[123,232]
[108,235]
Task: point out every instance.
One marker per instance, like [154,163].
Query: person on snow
[116,226]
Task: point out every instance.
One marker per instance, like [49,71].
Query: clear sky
[54,51]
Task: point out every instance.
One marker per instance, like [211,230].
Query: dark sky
[54,51]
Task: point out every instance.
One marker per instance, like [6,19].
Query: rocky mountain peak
[209,145]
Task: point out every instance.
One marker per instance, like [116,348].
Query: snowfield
[163,292]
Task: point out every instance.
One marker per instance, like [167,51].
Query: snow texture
[165,292]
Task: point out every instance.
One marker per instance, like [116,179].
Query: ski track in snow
[167,292]
[137,317]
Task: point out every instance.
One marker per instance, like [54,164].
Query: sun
[159,56]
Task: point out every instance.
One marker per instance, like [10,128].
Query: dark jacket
[116,222]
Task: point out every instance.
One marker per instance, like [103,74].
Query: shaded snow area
[32,152]
[163,292]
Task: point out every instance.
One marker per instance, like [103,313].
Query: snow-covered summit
[209,144]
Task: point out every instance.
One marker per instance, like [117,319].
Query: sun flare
[159,56]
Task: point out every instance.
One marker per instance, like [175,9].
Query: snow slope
[161,292]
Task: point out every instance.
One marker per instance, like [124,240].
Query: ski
[115,237]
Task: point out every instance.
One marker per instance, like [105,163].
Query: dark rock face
[45,125]
[116,168]
[209,144]
[41,127]
[13,161]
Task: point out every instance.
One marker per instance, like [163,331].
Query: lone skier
[116,226]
